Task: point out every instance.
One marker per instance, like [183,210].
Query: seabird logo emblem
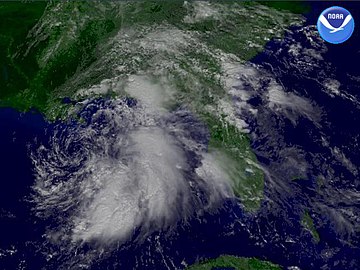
[335,25]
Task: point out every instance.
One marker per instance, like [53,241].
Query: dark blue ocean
[274,233]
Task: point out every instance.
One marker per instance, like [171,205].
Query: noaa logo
[335,25]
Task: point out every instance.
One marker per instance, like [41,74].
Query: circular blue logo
[335,25]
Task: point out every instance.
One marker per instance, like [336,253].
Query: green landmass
[234,263]
[16,20]
[298,178]
[298,7]
[308,224]
[34,68]
[34,72]
[238,160]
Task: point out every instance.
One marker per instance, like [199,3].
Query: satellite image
[195,135]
